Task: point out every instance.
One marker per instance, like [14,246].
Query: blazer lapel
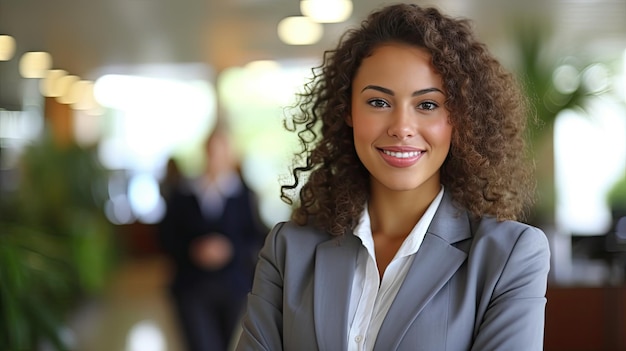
[335,261]
[434,264]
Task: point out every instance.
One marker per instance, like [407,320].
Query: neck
[394,214]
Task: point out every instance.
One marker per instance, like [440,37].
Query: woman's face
[220,154]
[401,129]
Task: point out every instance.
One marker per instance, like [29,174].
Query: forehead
[397,62]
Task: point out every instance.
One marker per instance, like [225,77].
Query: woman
[404,234]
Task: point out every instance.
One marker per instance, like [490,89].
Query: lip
[401,162]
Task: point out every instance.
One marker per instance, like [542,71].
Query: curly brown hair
[486,171]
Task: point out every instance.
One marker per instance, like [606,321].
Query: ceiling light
[35,64]
[50,85]
[326,11]
[64,86]
[76,92]
[83,96]
[7,47]
[299,30]
[262,65]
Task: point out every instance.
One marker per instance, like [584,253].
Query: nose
[402,126]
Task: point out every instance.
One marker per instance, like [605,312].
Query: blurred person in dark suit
[212,233]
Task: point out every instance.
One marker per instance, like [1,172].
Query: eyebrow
[390,92]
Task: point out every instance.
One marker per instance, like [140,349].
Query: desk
[585,319]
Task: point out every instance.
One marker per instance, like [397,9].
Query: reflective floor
[132,315]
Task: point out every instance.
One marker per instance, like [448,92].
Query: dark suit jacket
[473,285]
[185,222]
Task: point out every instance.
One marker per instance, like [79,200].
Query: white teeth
[402,154]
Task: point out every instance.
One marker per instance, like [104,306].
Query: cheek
[365,132]
[364,136]
[441,134]
[360,126]
[359,135]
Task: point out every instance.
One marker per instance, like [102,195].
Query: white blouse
[370,298]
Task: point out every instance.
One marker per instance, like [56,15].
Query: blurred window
[590,157]
[256,98]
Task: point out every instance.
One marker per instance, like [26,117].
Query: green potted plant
[56,246]
[539,73]
[617,199]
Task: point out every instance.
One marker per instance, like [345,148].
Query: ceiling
[89,37]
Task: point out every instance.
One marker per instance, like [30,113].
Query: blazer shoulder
[289,229]
[293,236]
[506,236]
[489,226]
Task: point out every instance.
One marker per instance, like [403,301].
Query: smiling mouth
[405,154]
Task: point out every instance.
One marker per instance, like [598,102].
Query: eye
[427,105]
[379,103]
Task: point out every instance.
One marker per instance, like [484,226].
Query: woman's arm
[262,322]
[515,317]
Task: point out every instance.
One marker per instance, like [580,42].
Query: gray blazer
[473,285]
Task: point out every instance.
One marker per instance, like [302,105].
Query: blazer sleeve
[514,319]
[262,322]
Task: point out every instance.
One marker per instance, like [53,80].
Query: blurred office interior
[96,96]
